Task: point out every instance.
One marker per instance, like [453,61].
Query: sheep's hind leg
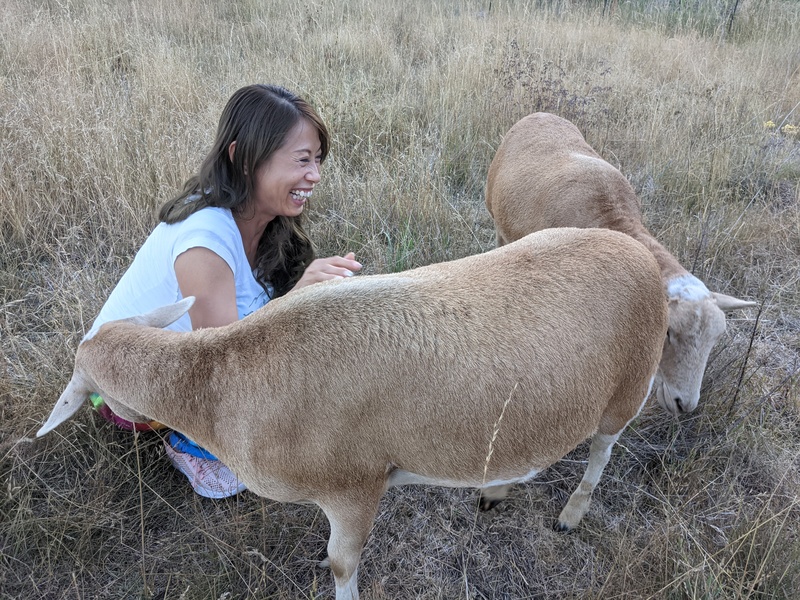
[351,519]
[599,454]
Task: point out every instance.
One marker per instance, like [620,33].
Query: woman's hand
[333,267]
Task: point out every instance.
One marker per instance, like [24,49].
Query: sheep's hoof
[562,527]
[486,504]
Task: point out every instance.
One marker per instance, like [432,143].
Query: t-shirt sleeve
[203,231]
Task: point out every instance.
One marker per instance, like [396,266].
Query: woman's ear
[231,150]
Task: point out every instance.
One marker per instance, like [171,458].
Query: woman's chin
[296,209]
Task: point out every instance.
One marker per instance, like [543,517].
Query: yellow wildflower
[790,129]
[769,124]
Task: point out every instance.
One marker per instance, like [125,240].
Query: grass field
[106,107]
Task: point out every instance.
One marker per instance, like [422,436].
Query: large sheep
[543,175]
[479,372]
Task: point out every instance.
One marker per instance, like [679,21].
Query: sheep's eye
[669,335]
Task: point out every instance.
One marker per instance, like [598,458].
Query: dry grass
[107,107]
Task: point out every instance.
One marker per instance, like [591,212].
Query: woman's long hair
[258,118]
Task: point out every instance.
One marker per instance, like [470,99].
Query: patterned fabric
[209,478]
[181,443]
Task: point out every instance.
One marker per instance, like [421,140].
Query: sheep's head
[75,395]
[82,384]
[695,325]
[124,411]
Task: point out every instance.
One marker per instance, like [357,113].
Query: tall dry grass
[106,107]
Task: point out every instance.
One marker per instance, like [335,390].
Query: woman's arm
[203,274]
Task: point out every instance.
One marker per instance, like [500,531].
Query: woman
[233,239]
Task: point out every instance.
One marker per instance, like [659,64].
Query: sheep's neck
[669,265]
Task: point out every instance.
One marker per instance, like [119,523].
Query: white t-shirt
[150,281]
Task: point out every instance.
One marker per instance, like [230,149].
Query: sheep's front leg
[351,519]
[492,496]
[599,453]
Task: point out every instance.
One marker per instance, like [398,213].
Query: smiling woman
[286,181]
[232,240]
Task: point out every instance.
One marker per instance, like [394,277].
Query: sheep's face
[123,411]
[694,327]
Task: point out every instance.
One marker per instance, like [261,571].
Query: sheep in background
[480,372]
[543,175]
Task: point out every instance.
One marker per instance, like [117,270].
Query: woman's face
[284,183]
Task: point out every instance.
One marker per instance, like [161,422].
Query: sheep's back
[545,174]
[549,327]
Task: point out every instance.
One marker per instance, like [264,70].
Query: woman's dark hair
[258,118]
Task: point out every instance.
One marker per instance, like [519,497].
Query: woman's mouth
[300,195]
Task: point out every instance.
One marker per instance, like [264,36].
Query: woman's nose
[313,173]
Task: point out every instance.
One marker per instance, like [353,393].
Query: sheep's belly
[400,477]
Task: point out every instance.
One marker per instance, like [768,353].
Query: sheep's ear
[164,315]
[72,398]
[729,303]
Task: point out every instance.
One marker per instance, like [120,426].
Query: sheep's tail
[76,392]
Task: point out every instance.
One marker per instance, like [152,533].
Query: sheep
[480,372]
[545,174]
